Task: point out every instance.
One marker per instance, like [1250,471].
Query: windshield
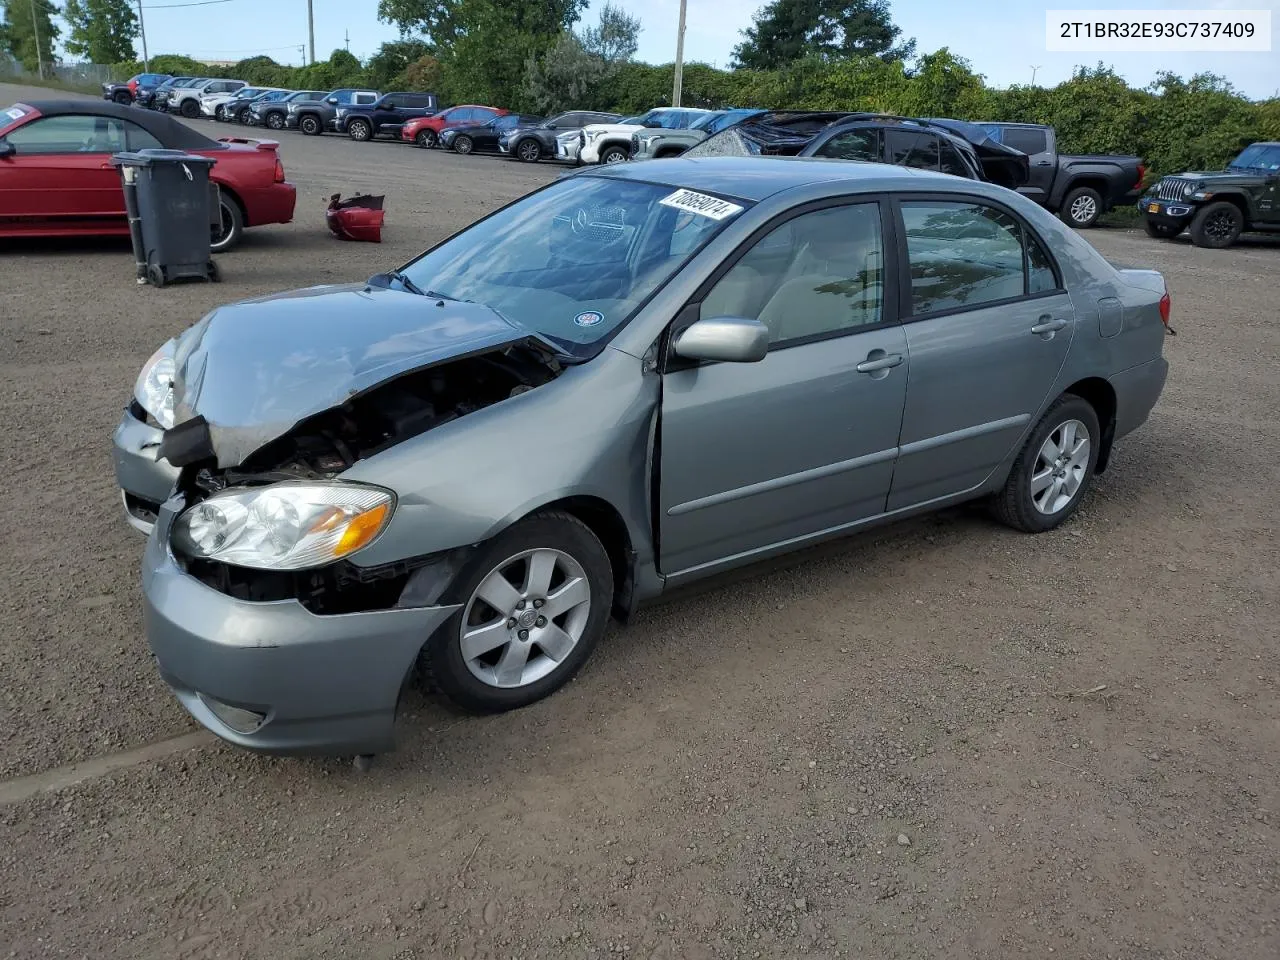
[1260,156]
[703,123]
[575,260]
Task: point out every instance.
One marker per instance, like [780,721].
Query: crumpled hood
[254,369]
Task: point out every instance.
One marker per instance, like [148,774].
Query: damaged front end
[281,431]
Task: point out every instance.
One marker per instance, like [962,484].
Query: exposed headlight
[284,526]
[154,389]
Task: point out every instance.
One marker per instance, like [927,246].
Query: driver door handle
[1048,326]
[879,363]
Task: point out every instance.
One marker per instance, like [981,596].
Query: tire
[1019,505]
[463,145]
[1161,231]
[189,109]
[275,120]
[242,117]
[426,139]
[122,97]
[1081,208]
[529,150]
[1217,225]
[309,125]
[359,130]
[220,113]
[474,683]
[614,154]
[232,229]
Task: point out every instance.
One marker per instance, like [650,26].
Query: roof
[172,133]
[755,178]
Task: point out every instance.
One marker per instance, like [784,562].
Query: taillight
[280,179]
[1165,306]
[1142,175]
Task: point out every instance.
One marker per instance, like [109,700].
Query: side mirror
[332,100]
[7,149]
[653,124]
[727,339]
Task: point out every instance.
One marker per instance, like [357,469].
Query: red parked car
[425,131]
[56,177]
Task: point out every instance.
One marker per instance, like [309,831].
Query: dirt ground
[943,739]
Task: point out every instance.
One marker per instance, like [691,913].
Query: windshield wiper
[407,283]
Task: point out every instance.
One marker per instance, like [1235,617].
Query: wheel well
[1093,183]
[607,524]
[1236,200]
[669,152]
[226,191]
[1102,397]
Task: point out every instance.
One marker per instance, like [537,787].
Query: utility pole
[302,53]
[346,40]
[679,77]
[311,30]
[35,29]
[1034,68]
[142,31]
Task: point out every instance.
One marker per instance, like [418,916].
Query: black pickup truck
[386,117]
[1079,189]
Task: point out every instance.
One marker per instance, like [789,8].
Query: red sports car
[56,177]
[425,131]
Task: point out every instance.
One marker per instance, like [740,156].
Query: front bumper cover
[322,684]
[145,481]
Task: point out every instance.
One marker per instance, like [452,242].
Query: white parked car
[611,142]
[187,100]
[210,102]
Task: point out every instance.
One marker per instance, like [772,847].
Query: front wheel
[122,97]
[1161,231]
[463,145]
[1081,207]
[189,109]
[1054,470]
[425,139]
[309,125]
[530,151]
[275,121]
[613,155]
[535,602]
[1217,225]
[243,117]
[359,130]
[230,227]
[220,113]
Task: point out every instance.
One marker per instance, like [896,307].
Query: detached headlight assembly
[154,389]
[284,526]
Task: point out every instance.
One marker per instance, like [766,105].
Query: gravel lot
[900,746]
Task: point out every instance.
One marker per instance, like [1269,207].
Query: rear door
[1034,142]
[61,171]
[988,326]
[861,143]
[912,148]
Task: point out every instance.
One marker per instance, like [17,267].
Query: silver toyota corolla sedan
[628,380]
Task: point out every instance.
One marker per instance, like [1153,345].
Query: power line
[193,3]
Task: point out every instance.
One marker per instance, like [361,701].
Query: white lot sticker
[700,203]
[15,114]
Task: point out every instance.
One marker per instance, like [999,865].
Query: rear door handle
[871,365]
[1048,326]
[1044,163]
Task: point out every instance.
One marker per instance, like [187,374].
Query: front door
[768,454]
[61,169]
[988,330]
[1042,162]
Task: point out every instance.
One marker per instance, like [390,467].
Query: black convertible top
[171,132]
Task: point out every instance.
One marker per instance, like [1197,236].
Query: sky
[1003,42]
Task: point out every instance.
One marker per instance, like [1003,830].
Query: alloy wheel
[530,151]
[525,618]
[275,121]
[1061,467]
[1220,226]
[1084,209]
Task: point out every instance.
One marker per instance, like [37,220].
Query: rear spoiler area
[270,145]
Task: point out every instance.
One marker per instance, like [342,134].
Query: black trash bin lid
[153,156]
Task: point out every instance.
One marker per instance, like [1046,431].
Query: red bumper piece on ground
[356,218]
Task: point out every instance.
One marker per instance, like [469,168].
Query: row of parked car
[1020,156]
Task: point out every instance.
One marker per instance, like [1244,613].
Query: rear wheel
[1054,470]
[535,602]
[463,145]
[1081,207]
[1217,225]
[613,155]
[228,232]
[359,130]
[189,109]
[425,139]
[309,125]
[1161,231]
[530,151]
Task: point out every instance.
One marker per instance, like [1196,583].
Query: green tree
[21,32]
[784,31]
[386,68]
[102,31]
[571,72]
[615,39]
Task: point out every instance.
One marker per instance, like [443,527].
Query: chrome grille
[635,144]
[1174,188]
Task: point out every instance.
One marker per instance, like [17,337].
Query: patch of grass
[54,83]
[1127,216]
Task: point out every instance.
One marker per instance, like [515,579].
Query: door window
[68,134]
[818,274]
[1027,139]
[967,254]
[861,144]
[953,163]
[909,148]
